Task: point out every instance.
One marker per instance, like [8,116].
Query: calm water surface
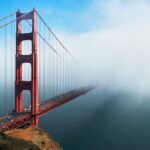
[101,120]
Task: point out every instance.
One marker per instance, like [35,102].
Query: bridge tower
[32,58]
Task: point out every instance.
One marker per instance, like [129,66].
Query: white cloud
[117,54]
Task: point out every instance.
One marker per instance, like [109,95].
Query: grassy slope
[9,143]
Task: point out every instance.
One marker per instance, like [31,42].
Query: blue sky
[60,14]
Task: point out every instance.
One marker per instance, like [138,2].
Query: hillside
[31,138]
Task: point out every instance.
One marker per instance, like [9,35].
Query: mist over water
[101,119]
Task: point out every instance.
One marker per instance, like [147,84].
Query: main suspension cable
[8,16]
[40,35]
[55,36]
[14,20]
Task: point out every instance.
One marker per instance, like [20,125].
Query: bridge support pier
[32,58]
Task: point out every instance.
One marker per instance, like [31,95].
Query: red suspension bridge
[37,72]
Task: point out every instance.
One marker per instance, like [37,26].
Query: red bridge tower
[32,58]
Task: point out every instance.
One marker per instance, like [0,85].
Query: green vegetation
[9,143]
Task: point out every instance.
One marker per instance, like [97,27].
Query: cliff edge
[31,138]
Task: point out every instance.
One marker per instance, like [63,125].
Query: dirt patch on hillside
[36,136]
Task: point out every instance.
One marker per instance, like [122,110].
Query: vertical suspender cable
[63,72]
[60,72]
[13,63]
[11,66]
[66,65]
[5,69]
[52,86]
[66,72]
[44,63]
[4,72]
[54,64]
[65,69]
[42,69]
[56,71]
[70,74]
[40,65]
[49,68]
[25,68]
[28,67]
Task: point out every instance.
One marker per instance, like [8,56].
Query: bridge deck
[17,120]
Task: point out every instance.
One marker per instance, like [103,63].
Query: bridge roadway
[18,120]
